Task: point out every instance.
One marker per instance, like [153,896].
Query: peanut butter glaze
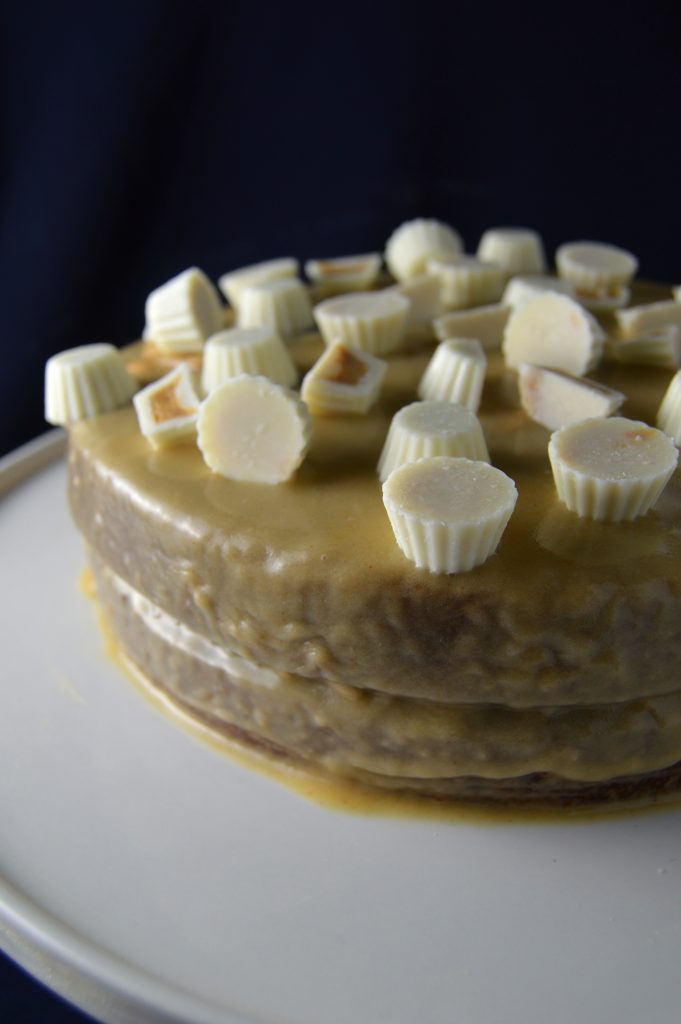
[305,577]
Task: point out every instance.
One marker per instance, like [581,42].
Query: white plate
[147,877]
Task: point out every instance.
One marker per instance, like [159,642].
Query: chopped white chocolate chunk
[85,381]
[424,429]
[344,273]
[466,281]
[183,312]
[409,248]
[343,380]
[167,410]
[638,321]
[517,250]
[232,284]
[554,331]
[659,347]
[486,324]
[282,304]
[669,413]
[373,322]
[554,398]
[455,373]
[612,469]
[523,287]
[596,271]
[448,514]
[250,429]
[255,350]
[425,301]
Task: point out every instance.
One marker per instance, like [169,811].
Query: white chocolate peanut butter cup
[455,373]
[425,298]
[251,429]
[555,331]
[373,322]
[343,380]
[448,514]
[616,297]
[232,284]
[343,274]
[282,304]
[657,347]
[167,410]
[485,323]
[85,381]
[425,429]
[611,469]
[517,250]
[555,399]
[669,413]
[409,248]
[255,350]
[466,281]
[598,273]
[183,312]
[595,268]
[523,287]
[638,321]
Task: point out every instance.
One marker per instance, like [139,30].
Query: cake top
[322,540]
[323,529]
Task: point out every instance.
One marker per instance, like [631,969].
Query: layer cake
[286,618]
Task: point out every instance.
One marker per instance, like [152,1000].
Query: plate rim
[30,458]
[39,941]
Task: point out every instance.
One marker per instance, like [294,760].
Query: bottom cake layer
[481,755]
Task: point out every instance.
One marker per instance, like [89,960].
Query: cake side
[348,731]
[306,576]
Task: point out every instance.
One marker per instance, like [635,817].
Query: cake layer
[305,577]
[344,730]
[536,756]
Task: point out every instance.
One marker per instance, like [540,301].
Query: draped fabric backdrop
[142,138]
[139,139]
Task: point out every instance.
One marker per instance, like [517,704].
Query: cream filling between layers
[177,635]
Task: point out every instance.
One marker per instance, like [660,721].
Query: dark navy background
[141,138]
